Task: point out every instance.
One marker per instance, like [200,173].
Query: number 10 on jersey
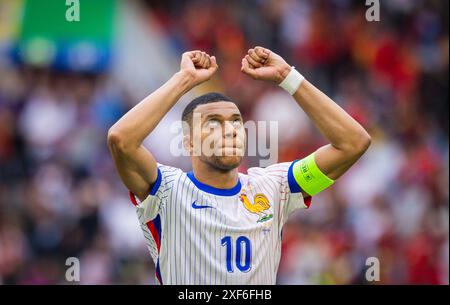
[242,253]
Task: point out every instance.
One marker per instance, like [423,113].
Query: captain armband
[309,177]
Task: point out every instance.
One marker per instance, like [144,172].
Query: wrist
[185,80]
[284,72]
[292,81]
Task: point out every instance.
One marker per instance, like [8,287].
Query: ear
[187,143]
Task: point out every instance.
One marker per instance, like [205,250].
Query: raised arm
[135,164]
[348,139]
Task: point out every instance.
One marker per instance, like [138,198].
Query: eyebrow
[219,116]
[236,115]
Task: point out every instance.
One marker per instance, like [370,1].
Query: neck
[214,177]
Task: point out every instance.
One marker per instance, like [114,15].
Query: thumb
[187,60]
[246,68]
[214,66]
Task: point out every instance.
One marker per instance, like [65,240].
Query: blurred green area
[41,33]
[47,18]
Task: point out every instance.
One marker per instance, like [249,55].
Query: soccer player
[215,225]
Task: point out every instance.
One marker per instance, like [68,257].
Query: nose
[229,130]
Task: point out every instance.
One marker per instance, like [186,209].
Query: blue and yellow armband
[309,177]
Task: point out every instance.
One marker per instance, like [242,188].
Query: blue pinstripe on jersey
[190,239]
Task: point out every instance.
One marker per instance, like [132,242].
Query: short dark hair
[212,97]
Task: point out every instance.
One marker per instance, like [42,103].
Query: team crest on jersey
[259,206]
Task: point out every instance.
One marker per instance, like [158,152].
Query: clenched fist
[198,65]
[262,64]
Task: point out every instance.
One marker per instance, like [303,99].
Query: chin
[227,162]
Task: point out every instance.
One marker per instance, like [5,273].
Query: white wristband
[292,81]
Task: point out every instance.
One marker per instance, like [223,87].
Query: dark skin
[138,169]
[209,170]
[218,171]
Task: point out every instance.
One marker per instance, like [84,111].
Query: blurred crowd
[60,196]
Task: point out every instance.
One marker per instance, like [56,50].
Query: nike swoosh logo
[201,206]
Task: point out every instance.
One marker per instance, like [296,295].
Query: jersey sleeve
[293,198]
[151,206]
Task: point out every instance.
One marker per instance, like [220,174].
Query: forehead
[224,109]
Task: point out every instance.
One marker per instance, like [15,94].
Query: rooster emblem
[259,206]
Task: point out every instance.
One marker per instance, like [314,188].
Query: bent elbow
[358,145]
[115,140]
[363,143]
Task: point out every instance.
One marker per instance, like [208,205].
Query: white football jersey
[198,234]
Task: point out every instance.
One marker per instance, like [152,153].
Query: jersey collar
[214,190]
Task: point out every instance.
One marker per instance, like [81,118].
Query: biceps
[137,170]
[333,162]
